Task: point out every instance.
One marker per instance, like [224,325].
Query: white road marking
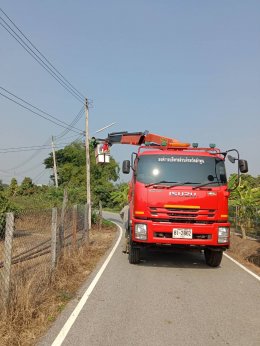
[65,329]
[243,267]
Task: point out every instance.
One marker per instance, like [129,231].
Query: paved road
[168,299]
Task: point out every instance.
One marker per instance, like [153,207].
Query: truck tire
[212,257]
[134,255]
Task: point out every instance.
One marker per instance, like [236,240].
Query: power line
[37,113]
[23,163]
[40,110]
[35,153]
[79,93]
[43,64]
[75,139]
[21,149]
[74,122]
[67,85]
[32,147]
[38,176]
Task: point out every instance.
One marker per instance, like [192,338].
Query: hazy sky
[186,69]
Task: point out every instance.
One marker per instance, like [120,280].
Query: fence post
[85,236]
[100,219]
[74,225]
[9,233]
[62,221]
[54,239]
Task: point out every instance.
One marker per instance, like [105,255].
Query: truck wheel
[134,255]
[213,258]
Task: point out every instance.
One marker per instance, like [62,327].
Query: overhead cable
[21,149]
[56,122]
[44,57]
[49,68]
[73,123]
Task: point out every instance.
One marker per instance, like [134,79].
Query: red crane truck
[178,195]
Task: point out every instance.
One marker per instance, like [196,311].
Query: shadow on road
[167,257]
[173,259]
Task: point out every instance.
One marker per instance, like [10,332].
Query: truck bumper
[201,235]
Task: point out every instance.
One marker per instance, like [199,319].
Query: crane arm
[143,138]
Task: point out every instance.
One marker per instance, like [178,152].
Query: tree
[246,198]
[120,195]
[12,188]
[71,163]
[5,207]
[27,187]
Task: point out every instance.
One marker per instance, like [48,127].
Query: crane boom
[143,138]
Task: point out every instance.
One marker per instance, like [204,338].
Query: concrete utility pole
[87,166]
[54,162]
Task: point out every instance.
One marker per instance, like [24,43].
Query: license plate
[182,233]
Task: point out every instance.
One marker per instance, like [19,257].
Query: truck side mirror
[126,167]
[243,166]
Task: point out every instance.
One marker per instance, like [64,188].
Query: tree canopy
[246,199]
[71,167]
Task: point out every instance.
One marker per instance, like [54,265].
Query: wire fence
[33,242]
[249,217]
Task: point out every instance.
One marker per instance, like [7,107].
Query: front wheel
[134,255]
[213,257]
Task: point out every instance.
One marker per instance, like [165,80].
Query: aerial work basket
[102,153]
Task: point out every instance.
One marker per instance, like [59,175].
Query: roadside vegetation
[38,299]
[244,205]
[72,177]
[244,212]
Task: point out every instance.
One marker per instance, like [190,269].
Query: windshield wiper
[172,183]
[180,183]
[161,182]
[205,184]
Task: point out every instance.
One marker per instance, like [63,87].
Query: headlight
[141,231]
[223,235]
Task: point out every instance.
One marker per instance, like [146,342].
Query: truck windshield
[173,170]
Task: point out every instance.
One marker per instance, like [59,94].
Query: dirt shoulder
[246,251]
[38,302]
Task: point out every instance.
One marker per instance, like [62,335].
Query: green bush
[5,207]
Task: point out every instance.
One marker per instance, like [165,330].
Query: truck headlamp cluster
[223,235]
[141,231]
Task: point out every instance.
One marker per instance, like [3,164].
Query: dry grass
[37,299]
[246,251]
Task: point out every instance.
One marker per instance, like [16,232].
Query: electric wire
[39,147]
[67,138]
[79,93]
[40,115]
[72,124]
[40,61]
[38,176]
[35,153]
[40,110]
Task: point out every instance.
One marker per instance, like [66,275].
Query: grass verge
[37,299]
[246,251]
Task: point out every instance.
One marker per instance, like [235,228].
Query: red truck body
[178,195]
[165,208]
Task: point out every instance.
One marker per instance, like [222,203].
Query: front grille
[183,215]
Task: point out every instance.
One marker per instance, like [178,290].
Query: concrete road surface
[168,299]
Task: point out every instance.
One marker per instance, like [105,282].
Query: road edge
[243,267]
